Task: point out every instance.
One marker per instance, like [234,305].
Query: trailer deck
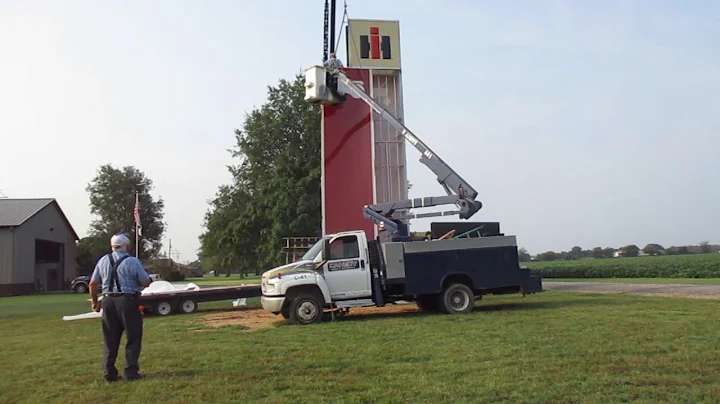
[166,302]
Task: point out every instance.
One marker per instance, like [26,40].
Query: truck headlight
[270,287]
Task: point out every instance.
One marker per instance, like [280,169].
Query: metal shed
[37,247]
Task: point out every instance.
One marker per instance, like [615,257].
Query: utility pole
[170,248]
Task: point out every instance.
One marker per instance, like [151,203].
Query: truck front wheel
[306,309]
[457,298]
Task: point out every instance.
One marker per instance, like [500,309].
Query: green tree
[232,232]
[89,250]
[112,199]
[524,255]
[576,253]
[653,249]
[672,251]
[547,256]
[705,247]
[630,250]
[275,192]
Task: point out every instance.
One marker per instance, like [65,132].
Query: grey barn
[37,247]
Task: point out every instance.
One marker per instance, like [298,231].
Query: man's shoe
[136,377]
[113,379]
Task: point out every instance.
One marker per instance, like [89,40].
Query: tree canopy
[89,250]
[275,191]
[112,200]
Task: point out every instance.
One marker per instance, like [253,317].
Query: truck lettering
[343,265]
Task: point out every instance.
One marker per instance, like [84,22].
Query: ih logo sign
[374,46]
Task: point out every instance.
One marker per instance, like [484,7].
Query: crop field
[550,347]
[672,266]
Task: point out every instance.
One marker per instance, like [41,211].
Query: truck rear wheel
[306,309]
[457,298]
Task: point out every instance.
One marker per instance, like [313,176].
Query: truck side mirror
[326,250]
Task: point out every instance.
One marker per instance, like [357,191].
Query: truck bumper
[272,304]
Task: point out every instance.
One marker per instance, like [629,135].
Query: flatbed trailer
[164,303]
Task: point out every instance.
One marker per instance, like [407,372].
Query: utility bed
[490,264]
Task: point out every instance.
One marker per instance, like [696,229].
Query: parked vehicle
[347,270]
[80,284]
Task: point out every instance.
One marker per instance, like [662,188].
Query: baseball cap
[119,240]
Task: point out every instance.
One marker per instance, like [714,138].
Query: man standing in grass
[120,277]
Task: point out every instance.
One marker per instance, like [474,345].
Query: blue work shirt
[130,272]
[333,63]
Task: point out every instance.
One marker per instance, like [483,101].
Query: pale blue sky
[592,123]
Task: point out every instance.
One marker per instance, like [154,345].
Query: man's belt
[116,294]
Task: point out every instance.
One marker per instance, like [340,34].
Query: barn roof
[15,212]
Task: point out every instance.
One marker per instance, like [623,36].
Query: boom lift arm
[337,86]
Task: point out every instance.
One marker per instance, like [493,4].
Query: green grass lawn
[685,281]
[551,347]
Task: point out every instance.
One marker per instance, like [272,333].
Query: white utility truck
[347,270]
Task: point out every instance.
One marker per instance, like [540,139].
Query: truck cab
[335,269]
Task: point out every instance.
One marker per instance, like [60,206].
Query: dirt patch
[256,319]
[252,320]
[389,309]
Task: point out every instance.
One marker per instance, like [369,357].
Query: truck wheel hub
[458,300]
[164,308]
[307,311]
[188,306]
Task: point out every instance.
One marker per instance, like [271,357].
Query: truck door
[346,271]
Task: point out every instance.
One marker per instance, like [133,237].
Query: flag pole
[137,225]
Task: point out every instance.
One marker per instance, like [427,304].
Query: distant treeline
[632,250]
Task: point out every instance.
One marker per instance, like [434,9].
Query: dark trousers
[121,314]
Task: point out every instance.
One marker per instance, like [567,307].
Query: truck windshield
[313,251]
